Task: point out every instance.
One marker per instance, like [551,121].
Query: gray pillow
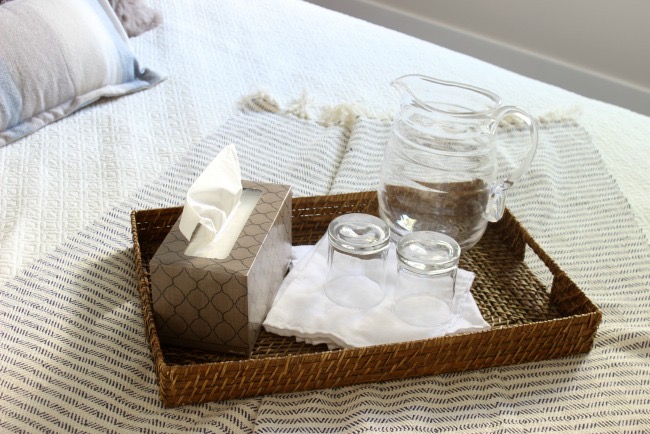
[59,56]
[136,17]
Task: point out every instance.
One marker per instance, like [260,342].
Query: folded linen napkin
[301,308]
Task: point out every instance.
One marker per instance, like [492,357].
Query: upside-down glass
[439,171]
[358,247]
[427,265]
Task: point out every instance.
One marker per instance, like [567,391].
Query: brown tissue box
[219,305]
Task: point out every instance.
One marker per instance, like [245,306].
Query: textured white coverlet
[58,180]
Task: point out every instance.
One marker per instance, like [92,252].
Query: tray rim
[169,375]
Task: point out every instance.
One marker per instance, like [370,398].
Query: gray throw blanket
[73,354]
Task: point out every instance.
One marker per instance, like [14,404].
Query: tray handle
[564,292]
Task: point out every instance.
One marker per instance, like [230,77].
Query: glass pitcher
[439,171]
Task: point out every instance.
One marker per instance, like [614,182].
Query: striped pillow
[57,56]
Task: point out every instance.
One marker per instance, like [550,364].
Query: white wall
[597,48]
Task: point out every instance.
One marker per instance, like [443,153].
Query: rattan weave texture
[536,312]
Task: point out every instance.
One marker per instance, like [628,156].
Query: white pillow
[57,56]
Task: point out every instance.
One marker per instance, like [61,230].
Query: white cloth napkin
[301,308]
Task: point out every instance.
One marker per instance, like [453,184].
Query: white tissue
[213,217]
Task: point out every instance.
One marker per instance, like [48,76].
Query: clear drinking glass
[358,247]
[439,171]
[427,264]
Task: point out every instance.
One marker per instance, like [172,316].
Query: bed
[304,93]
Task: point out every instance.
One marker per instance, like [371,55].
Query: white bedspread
[59,179]
[64,177]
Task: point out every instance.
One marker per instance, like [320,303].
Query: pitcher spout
[434,95]
[411,89]
[405,83]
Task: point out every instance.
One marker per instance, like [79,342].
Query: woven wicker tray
[535,310]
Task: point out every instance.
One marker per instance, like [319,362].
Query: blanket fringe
[346,114]
[558,115]
[259,101]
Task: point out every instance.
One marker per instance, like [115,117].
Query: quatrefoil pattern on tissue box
[219,305]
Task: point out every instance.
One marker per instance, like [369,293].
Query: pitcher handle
[497,200]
